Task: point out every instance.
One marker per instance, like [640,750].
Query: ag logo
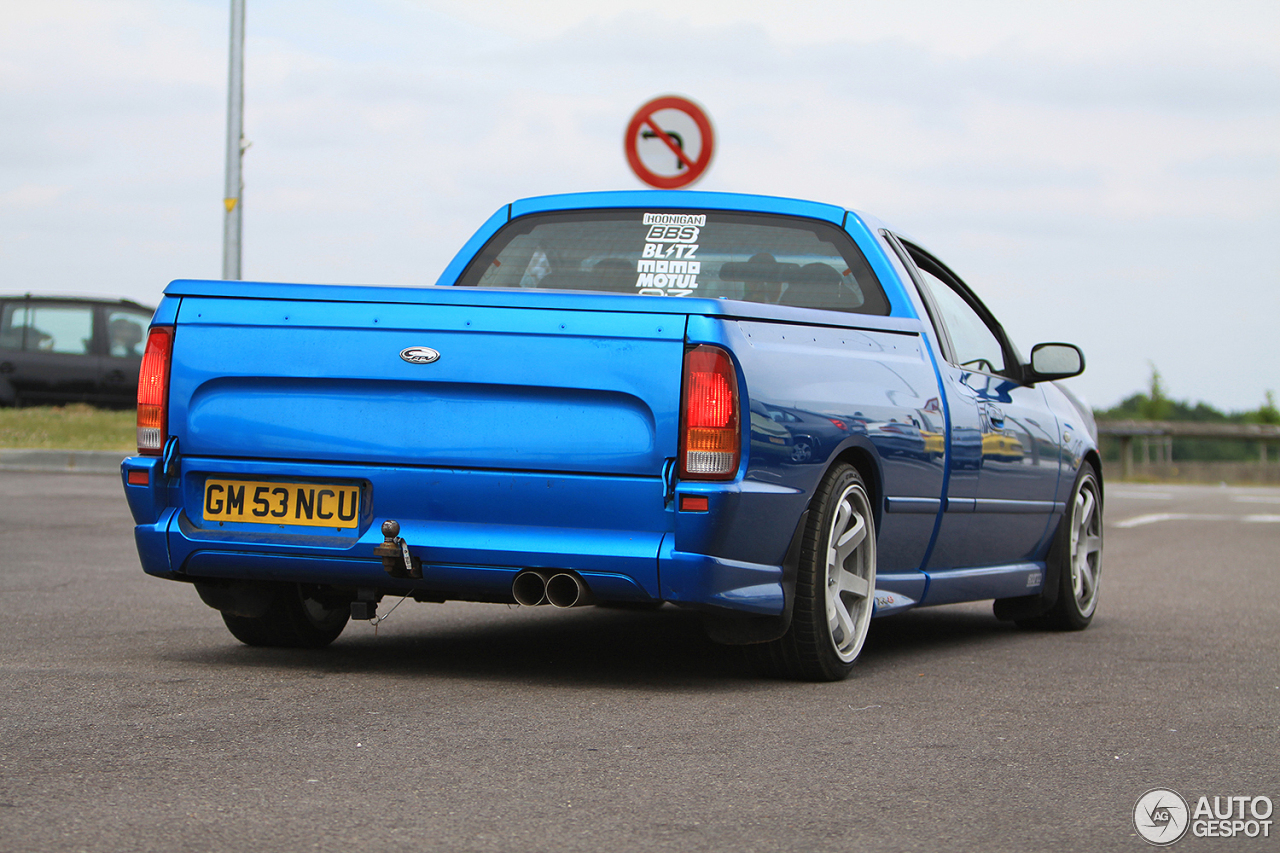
[419,355]
[1161,816]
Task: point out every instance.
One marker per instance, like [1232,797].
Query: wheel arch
[868,466]
[735,629]
[1093,459]
[1036,609]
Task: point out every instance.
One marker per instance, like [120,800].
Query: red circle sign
[669,157]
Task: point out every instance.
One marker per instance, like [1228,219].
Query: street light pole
[235,147]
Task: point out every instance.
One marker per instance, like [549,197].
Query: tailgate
[516,389]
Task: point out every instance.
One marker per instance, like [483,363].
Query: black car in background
[56,349]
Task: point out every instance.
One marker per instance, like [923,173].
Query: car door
[1005,440]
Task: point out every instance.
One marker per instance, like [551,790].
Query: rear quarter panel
[858,376]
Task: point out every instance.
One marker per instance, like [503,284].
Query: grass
[75,427]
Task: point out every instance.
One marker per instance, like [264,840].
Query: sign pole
[235,147]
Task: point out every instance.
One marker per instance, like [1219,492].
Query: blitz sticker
[660,250]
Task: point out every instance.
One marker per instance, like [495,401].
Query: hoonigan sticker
[698,219]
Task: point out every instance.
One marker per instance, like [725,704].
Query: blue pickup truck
[779,413]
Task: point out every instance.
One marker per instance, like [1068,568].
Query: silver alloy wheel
[851,572]
[1086,546]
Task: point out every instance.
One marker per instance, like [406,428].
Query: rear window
[753,257]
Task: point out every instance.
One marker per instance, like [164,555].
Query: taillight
[153,391]
[710,434]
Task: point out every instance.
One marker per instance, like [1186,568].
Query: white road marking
[1256,499]
[1139,496]
[1157,517]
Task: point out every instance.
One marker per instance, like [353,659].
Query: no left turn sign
[669,143]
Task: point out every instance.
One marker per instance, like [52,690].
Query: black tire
[1076,559]
[297,617]
[835,591]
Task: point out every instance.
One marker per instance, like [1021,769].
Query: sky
[1104,173]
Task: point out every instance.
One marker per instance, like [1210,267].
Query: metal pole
[235,146]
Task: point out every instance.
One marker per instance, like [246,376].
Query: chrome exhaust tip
[568,590]
[529,588]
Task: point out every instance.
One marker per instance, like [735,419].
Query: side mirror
[1055,361]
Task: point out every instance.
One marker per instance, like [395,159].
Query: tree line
[1155,405]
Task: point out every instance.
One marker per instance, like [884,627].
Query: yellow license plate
[312,504]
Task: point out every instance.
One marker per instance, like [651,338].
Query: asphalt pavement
[130,720]
[61,461]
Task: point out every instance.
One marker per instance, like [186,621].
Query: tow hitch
[395,555]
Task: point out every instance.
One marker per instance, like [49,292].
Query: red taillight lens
[710,435]
[153,391]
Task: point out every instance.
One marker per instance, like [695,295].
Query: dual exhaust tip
[559,589]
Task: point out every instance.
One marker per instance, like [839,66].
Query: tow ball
[395,555]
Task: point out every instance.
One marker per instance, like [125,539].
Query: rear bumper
[707,581]
[688,579]
[628,553]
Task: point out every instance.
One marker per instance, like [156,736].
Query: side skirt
[956,585]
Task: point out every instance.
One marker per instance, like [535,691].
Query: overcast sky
[1103,173]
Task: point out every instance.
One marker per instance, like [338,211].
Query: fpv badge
[419,355]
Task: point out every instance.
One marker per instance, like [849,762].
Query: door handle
[996,415]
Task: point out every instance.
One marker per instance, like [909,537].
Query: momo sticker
[666,275]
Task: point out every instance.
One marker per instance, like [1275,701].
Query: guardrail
[1166,431]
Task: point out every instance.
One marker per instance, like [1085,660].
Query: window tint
[754,257]
[975,345]
[125,333]
[38,327]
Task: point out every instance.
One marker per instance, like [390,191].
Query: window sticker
[699,219]
[666,266]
